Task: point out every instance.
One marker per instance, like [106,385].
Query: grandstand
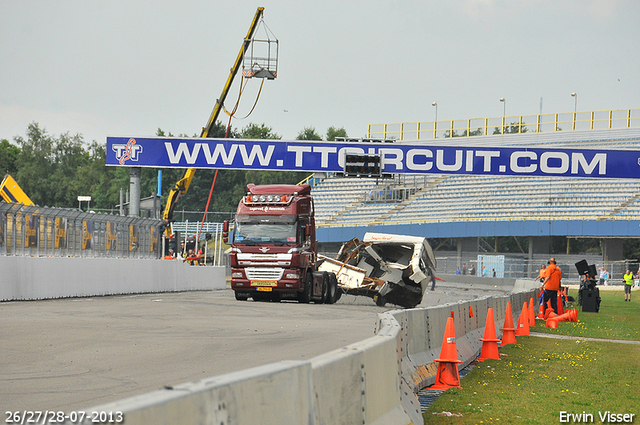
[341,201]
[442,198]
[466,208]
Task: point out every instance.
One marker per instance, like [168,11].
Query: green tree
[219,131]
[69,156]
[450,133]
[512,128]
[9,155]
[258,131]
[476,132]
[54,171]
[333,132]
[36,165]
[103,183]
[309,133]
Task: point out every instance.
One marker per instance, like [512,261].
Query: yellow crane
[182,185]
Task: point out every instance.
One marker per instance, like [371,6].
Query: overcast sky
[127,68]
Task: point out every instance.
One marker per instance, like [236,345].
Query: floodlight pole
[504,112]
[435,122]
[575,108]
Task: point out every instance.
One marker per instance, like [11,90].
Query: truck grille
[264,273]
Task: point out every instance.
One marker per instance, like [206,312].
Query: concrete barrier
[476,282]
[372,382]
[253,396]
[29,278]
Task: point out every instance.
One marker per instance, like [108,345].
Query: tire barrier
[372,382]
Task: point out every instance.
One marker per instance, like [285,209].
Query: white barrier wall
[29,278]
[371,382]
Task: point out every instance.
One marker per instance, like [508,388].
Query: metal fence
[59,232]
[581,120]
[517,267]
[196,216]
[206,236]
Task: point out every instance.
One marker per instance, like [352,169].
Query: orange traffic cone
[570,316]
[523,322]
[508,332]
[560,307]
[548,310]
[541,311]
[489,342]
[448,375]
[532,314]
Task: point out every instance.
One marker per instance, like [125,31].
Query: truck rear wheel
[333,292]
[305,295]
[325,288]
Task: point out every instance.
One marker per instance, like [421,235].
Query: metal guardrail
[195,227]
[541,123]
[59,232]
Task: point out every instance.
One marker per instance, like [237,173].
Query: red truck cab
[274,251]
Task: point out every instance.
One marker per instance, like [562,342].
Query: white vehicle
[388,268]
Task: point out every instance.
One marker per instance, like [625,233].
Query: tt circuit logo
[129,151]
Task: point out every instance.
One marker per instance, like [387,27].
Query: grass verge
[539,378]
[616,319]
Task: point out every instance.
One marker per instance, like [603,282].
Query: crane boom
[236,67]
[182,185]
[10,191]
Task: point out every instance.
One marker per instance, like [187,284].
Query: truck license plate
[263,288]
[264,283]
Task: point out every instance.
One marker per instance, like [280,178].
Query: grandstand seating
[348,201]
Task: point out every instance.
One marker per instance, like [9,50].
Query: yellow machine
[10,191]
[182,185]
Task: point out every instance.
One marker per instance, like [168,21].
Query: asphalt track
[70,354]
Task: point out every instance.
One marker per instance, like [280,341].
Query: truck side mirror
[225,231]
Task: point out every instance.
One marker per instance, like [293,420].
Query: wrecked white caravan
[388,268]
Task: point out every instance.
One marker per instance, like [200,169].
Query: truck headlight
[237,274]
[292,276]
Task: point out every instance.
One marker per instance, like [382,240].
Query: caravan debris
[388,268]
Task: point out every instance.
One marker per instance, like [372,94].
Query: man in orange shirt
[551,284]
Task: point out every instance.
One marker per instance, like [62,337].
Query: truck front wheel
[240,297]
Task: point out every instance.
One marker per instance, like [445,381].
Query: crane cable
[226,135]
[215,176]
[254,103]
[235,107]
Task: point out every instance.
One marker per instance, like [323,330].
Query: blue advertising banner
[409,158]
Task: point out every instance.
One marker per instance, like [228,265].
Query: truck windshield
[265,229]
